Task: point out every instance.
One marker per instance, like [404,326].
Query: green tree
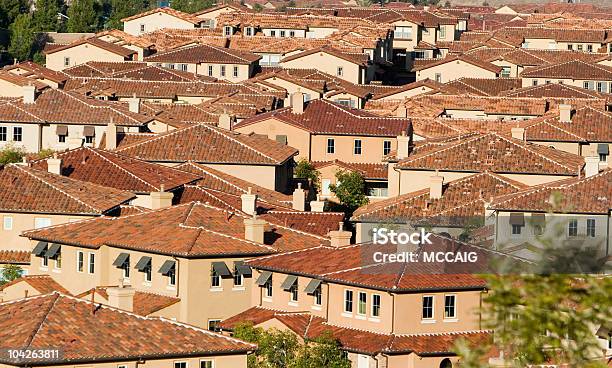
[22,37]
[191,6]
[306,170]
[350,190]
[120,9]
[82,16]
[9,273]
[10,9]
[11,154]
[276,349]
[45,16]
[322,352]
[257,8]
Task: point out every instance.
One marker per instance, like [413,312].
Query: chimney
[161,199]
[403,144]
[340,237]
[402,111]
[318,205]
[299,198]
[54,165]
[134,104]
[225,121]
[435,186]
[249,202]
[111,136]
[254,228]
[297,102]
[591,166]
[121,297]
[565,113]
[518,133]
[29,94]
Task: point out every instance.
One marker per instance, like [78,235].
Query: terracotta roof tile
[111,47]
[368,170]
[144,303]
[44,284]
[14,257]
[173,12]
[204,54]
[36,71]
[355,58]
[21,81]
[587,125]
[449,59]
[485,86]
[132,70]
[575,69]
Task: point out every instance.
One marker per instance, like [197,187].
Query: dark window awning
[288,283]
[538,219]
[54,250]
[167,268]
[61,130]
[89,131]
[242,269]
[312,286]
[603,149]
[220,268]
[143,264]
[40,249]
[264,276]
[517,219]
[121,260]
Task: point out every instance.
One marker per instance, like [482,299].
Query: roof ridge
[40,325]
[119,167]
[219,132]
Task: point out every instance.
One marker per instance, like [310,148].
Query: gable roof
[26,189]
[144,303]
[326,117]
[355,58]
[118,171]
[21,81]
[368,170]
[36,71]
[166,10]
[96,42]
[462,58]
[44,284]
[587,125]
[574,69]
[132,70]
[484,86]
[83,335]
[204,53]
[206,144]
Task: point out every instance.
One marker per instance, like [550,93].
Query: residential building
[84,50]
[159,18]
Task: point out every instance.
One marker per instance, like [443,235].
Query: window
[517,229]
[525,45]
[572,227]
[357,147]
[58,262]
[404,33]
[180,364]
[428,307]
[590,48]
[215,279]
[590,230]
[534,82]
[249,31]
[348,301]
[585,85]
[170,66]
[375,305]
[361,304]
[66,61]
[148,275]
[61,138]
[331,145]
[438,77]
[206,364]
[291,33]
[227,30]
[268,286]
[386,147]
[505,72]
[442,33]
[272,33]
[547,81]
[213,325]
[238,277]
[182,67]
[41,222]
[340,71]
[210,70]
[17,134]
[92,263]
[171,278]
[44,261]
[325,184]
[3,134]
[318,296]
[235,72]
[579,47]
[7,223]
[294,291]
[601,87]
[142,28]
[222,70]
[603,157]
[282,33]
[450,306]
[570,47]
[80,261]
[89,139]
[126,268]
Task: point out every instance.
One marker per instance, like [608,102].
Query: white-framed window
[282,33]
[517,229]
[207,363]
[331,145]
[318,296]
[4,133]
[172,278]
[41,222]
[213,325]
[404,33]
[601,87]
[590,48]
[348,301]
[89,139]
[428,307]
[570,46]
[66,61]
[142,28]
[181,365]
[572,227]
[505,73]
[450,306]
[215,279]
[438,77]
[340,71]
[442,32]
[238,277]
[61,138]
[182,67]
[603,157]
[235,72]
[7,223]
[249,31]
[222,70]
[357,147]
[325,184]
[590,228]
[227,30]
[80,261]
[17,134]
[291,33]
[126,268]
[44,261]
[210,70]
[362,299]
[386,147]
[91,268]
[268,287]
[375,305]
[585,85]
[294,291]
[272,33]
[534,82]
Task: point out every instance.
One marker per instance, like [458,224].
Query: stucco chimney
[121,297]
[403,144]
[402,111]
[565,113]
[299,198]
[318,205]
[254,228]
[225,121]
[111,136]
[249,202]
[134,104]
[29,94]
[340,237]
[161,199]
[591,166]
[518,133]
[435,186]
[54,165]
[297,102]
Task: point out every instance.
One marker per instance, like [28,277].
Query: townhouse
[383,314]
[84,50]
[12,85]
[455,67]
[35,198]
[79,328]
[192,251]
[575,72]
[159,18]
[133,70]
[325,131]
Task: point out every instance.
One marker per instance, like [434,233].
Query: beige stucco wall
[153,22]
[292,88]
[454,70]
[328,64]
[79,55]
[371,148]
[8,89]
[31,134]
[264,176]
[529,81]
[17,291]
[271,127]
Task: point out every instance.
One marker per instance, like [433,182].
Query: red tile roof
[44,284]
[118,171]
[29,190]
[14,257]
[144,303]
[173,12]
[197,54]
[574,69]
[132,70]
[326,117]
[485,86]
[355,58]
[556,90]
[368,170]
[191,230]
[587,125]
[206,144]
[466,59]
[86,333]
[111,47]
[36,71]
[21,81]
